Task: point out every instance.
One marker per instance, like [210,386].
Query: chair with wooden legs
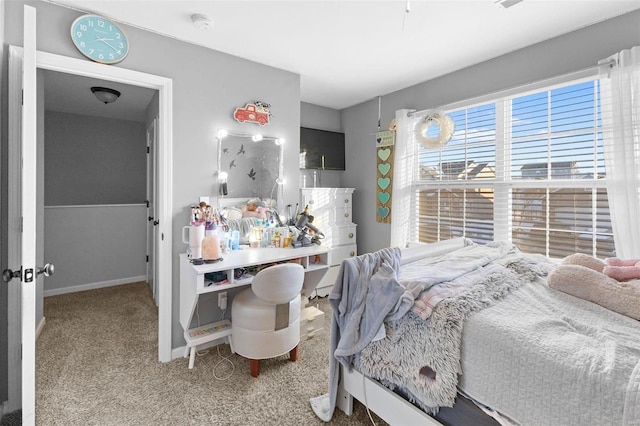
[265,319]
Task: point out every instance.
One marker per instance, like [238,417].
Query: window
[528,168]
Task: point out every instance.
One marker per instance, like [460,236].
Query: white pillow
[417,251]
[232,213]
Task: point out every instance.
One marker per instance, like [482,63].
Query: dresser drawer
[318,198]
[338,254]
[341,235]
[343,200]
[324,218]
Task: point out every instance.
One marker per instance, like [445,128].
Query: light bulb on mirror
[280,141]
[222,178]
[222,133]
[257,137]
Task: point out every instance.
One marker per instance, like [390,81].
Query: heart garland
[385,143]
[384,183]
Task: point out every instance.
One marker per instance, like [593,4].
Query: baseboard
[93,286]
[177,352]
[40,327]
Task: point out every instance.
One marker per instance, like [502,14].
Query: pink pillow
[614,261]
[622,273]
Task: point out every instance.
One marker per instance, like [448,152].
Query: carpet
[96,364]
[13,418]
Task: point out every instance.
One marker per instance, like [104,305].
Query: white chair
[265,319]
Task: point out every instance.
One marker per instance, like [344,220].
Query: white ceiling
[348,52]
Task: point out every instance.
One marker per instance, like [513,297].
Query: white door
[151,209]
[28,192]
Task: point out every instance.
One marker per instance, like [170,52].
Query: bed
[493,332]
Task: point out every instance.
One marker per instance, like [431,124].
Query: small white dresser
[331,209]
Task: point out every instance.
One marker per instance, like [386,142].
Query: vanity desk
[193,283]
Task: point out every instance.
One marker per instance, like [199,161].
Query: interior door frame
[164,203]
[152,235]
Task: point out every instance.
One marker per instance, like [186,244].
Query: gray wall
[100,162]
[571,52]
[96,245]
[94,160]
[323,118]
[207,86]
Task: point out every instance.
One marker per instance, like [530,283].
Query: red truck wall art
[257,112]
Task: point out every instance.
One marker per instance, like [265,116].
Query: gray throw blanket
[243,226]
[366,293]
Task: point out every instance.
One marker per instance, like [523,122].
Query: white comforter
[543,357]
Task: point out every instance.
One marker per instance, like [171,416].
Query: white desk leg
[186,351]
[230,341]
[192,357]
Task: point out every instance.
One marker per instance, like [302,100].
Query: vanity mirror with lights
[249,166]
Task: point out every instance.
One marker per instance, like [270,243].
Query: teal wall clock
[99,39]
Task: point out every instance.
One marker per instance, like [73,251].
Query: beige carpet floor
[97,364]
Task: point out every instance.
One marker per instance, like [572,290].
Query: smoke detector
[201,22]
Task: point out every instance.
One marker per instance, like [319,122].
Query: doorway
[95,182]
[79,67]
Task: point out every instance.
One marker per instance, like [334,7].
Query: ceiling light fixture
[507,3]
[201,22]
[106,95]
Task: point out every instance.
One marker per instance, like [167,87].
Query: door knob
[8,274]
[47,270]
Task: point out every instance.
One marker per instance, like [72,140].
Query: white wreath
[435,118]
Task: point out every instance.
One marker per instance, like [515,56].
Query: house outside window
[526,168]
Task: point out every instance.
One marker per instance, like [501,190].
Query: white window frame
[503,183]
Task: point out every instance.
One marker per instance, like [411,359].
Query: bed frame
[389,406]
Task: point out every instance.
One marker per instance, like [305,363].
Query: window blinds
[527,168]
